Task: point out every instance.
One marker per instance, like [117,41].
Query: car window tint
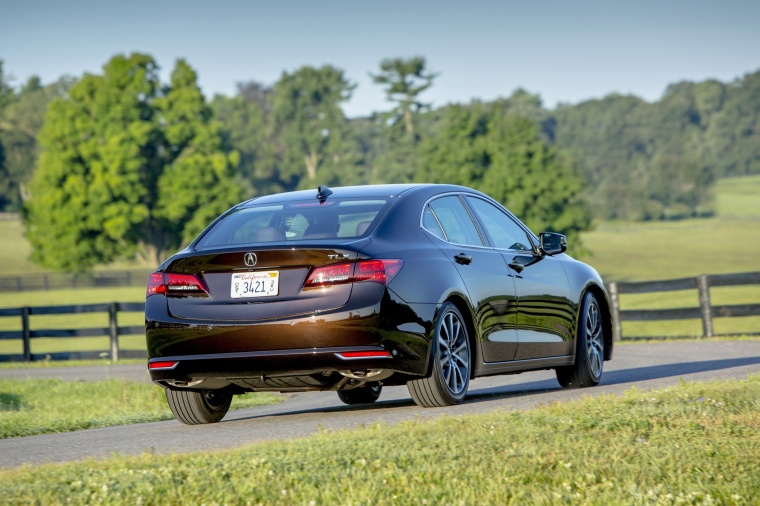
[455,220]
[292,222]
[504,232]
[431,224]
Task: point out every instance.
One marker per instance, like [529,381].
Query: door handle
[463,259]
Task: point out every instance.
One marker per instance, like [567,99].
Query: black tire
[193,407]
[366,394]
[589,353]
[450,375]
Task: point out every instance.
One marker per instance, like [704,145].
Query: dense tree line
[124,165]
[659,160]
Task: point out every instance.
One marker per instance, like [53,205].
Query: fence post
[617,328]
[704,305]
[113,331]
[26,334]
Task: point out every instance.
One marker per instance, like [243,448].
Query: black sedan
[349,289]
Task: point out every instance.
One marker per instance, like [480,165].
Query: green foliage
[127,168]
[134,169]
[246,127]
[660,160]
[504,156]
[694,443]
[198,184]
[21,116]
[316,146]
[45,406]
[404,81]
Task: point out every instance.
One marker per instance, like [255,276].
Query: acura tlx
[349,289]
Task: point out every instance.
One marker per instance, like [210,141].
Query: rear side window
[294,222]
[455,221]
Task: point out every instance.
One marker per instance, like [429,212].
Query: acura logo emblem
[250,259]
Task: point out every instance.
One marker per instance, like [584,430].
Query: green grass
[44,406]
[695,443]
[52,364]
[15,251]
[727,243]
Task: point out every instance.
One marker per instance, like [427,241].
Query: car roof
[342,192]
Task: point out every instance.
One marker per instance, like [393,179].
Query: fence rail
[58,281]
[113,331]
[705,312]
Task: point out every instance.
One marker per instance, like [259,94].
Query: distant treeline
[119,164]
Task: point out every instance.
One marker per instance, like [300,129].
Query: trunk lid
[239,283]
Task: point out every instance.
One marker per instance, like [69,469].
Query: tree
[6,95]
[23,117]
[404,81]
[504,156]
[246,128]
[315,142]
[110,148]
[533,180]
[197,184]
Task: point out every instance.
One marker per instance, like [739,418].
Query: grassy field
[696,443]
[45,406]
[15,251]
[726,243]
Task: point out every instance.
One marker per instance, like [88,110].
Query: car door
[486,277]
[544,306]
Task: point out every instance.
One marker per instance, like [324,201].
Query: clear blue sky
[566,51]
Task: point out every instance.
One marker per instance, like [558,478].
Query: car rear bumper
[291,354]
[280,370]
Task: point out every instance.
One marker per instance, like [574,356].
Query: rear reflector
[376,271]
[167,282]
[162,365]
[349,355]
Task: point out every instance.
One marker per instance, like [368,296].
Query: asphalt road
[645,366]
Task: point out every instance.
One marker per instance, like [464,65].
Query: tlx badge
[339,256]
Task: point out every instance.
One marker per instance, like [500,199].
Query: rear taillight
[170,283]
[155,284]
[377,271]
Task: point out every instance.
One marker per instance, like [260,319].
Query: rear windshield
[293,222]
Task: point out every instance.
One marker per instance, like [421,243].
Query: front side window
[502,229]
[293,222]
[455,221]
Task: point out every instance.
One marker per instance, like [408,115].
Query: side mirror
[551,243]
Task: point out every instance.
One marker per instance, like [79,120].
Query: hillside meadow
[621,251]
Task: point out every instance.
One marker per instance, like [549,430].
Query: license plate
[255,284]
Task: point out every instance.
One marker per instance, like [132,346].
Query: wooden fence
[705,312]
[113,331]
